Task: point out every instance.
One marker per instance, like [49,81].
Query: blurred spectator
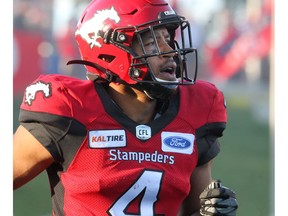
[64,25]
[233,37]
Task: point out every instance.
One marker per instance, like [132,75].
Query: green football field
[245,164]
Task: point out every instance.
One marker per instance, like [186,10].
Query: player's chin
[171,89]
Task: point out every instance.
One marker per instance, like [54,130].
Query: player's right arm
[30,158]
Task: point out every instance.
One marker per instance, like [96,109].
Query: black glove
[217,200]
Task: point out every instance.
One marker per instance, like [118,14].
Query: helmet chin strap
[157,91]
[109,76]
[170,86]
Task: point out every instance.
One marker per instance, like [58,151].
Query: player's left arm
[208,197]
[199,180]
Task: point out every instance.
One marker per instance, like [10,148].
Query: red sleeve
[59,95]
[204,107]
[218,111]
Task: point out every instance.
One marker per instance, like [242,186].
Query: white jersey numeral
[147,184]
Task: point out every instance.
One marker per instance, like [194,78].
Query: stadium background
[235,47]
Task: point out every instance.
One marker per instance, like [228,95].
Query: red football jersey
[107,164]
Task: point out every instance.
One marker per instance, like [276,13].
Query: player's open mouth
[169,68]
[168,73]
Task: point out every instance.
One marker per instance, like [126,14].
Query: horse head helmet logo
[90,29]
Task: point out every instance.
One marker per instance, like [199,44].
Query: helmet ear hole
[107,58]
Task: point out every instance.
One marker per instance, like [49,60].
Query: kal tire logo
[143,132]
[90,29]
[107,138]
[31,91]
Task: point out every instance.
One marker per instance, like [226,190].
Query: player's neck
[134,103]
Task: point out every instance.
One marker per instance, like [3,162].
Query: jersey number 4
[148,185]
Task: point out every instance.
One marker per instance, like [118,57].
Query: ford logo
[177,142]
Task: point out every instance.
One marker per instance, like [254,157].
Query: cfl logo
[143,132]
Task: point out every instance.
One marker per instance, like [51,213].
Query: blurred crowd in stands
[233,38]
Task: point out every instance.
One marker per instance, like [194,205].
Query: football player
[138,137]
